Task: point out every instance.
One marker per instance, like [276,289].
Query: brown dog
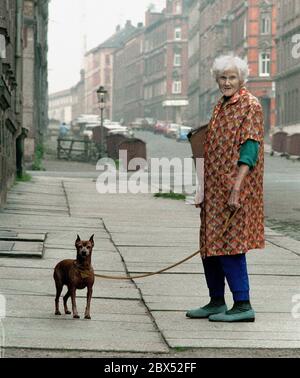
[75,274]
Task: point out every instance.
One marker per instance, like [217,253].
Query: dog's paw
[57,313]
[76,316]
[87,317]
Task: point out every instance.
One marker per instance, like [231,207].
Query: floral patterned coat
[232,123]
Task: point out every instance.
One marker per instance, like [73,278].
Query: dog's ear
[92,240]
[78,239]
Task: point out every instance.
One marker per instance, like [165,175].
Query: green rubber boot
[213,307]
[240,312]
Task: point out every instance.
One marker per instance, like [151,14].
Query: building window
[178,34]
[107,60]
[264,64]
[2,47]
[177,59]
[245,27]
[176,88]
[265,24]
[178,8]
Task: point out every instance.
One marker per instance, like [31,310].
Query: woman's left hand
[234,200]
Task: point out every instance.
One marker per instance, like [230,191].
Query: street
[282,179]
[282,182]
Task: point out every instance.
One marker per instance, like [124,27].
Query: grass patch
[26,177]
[181,349]
[170,195]
[38,157]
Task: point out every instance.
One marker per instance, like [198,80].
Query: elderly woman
[233,181]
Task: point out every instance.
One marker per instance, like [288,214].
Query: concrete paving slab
[6,246]
[21,249]
[4,234]
[123,240]
[64,237]
[42,307]
[180,332]
[138,226]
[34,237]
[41,221]
[80,335]
[46,287]
[286,243]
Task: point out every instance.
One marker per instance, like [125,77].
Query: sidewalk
[134,234]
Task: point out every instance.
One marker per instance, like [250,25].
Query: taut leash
[227,224]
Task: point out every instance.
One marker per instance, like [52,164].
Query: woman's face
[229,82]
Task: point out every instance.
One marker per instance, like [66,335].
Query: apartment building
[288,73]
[128,87]
[166,63]
[98,69]
[243,28]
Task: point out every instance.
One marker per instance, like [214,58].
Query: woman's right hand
[199,205]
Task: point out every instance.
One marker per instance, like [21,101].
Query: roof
[117,39]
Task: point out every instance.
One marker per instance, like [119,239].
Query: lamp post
[101,94]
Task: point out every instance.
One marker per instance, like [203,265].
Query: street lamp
[101,94]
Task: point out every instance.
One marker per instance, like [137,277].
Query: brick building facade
[35,77]
[193,63]
[166,63]
[288,74]
[77,93]
[60,106]
[23,84]
[11,131]
[98,68]
[128,87]
[246,29]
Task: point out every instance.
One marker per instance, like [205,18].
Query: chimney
[118,28]
[128,24]
[140,25]
[151,17]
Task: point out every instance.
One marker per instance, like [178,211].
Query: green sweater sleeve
[249,153]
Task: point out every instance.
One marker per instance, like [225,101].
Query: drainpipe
[18,56]
[21,133]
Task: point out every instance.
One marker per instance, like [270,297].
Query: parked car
[172,130]
[122,131]
[149,123]
[138,124]
[182,133]
[160,126]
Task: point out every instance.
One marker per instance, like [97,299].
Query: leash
[227,224]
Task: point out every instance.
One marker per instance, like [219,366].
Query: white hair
[227,62]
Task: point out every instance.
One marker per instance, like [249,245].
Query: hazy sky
[67,26]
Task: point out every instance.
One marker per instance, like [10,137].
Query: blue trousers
[234,269]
